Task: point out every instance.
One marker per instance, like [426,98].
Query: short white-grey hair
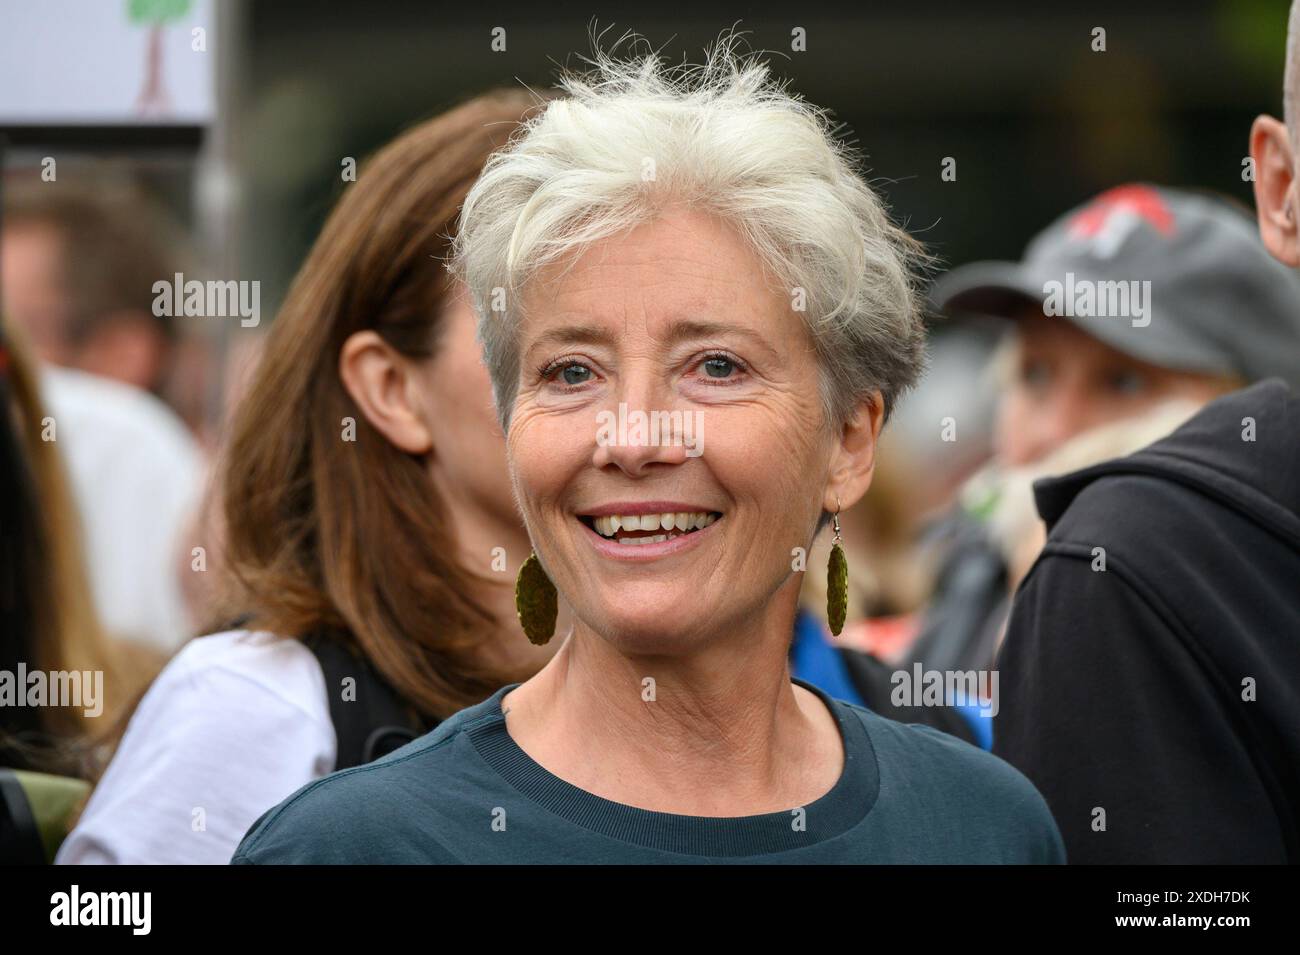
[727,138]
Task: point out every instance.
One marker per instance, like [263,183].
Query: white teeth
[679,521]
[637,541]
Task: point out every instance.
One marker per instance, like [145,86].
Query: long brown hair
[351,536]
[47,615]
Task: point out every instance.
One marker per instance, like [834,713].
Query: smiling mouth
[634,529]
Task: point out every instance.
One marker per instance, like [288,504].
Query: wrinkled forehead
[665,279]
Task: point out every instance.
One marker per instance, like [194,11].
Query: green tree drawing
[156,14]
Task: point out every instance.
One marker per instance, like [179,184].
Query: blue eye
[575,374]
[719,367]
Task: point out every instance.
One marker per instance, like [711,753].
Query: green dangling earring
[536,601]
[837,581]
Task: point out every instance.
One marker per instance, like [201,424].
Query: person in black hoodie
[1150,674]
[1088,376]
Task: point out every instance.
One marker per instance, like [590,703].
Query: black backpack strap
[370,719]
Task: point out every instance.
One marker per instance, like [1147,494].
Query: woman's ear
[855,456]
[386,387]
[1275,189]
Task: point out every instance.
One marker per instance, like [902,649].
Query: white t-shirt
[236,722]
[136,476]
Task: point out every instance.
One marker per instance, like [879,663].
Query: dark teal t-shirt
[466,793]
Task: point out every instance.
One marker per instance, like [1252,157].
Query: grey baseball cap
[1177,279]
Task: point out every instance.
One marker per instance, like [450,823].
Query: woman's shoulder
[369,809]
[237,683]
[358,807]
[236,720]
[924,768]
[918,748]
[262,663]
[235,689]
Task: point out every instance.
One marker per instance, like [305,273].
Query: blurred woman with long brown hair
[370,537]
[47,617]
[62,679]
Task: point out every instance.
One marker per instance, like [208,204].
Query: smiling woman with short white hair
[694,242]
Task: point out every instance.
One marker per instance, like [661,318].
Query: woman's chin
[650,631]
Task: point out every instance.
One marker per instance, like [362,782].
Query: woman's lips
[634,553]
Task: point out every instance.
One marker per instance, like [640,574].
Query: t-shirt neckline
[830,815]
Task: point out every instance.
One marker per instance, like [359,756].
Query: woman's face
[673,317]
[469,462]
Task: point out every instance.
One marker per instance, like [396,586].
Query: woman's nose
[639,430]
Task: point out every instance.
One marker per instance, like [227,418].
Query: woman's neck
[722,732]
[478,535]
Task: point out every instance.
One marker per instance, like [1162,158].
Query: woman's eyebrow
[691,329]
[679,331]
[573,335]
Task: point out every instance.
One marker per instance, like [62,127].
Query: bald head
[1274,148]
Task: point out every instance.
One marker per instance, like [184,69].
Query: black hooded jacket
[1155,703]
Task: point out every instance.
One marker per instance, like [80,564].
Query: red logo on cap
[1142,202]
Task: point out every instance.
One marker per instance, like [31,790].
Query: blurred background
[225,129]
[243,139]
